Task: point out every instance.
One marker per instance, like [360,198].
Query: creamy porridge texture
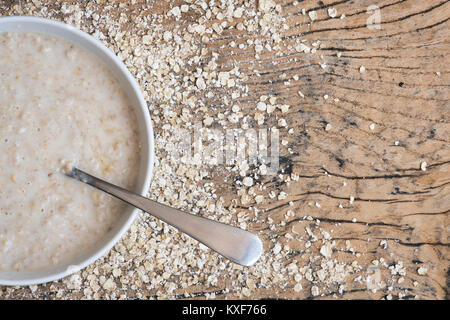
[58,105]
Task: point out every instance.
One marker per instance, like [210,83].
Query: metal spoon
[238,245]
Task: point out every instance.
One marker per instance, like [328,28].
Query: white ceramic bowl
[130,86]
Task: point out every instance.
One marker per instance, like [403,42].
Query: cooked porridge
[59,105]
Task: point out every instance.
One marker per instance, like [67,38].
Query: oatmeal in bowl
[65,100]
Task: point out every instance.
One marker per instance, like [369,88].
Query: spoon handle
[238,245]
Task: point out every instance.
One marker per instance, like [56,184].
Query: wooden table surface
[375,108]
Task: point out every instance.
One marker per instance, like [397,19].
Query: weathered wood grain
[407,101]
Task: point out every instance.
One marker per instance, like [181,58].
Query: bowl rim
[147,152]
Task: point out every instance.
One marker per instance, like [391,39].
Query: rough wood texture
[402,95]
[404,92]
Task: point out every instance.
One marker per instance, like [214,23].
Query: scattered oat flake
[259,199]
[109,285]
[277,248]
[423,166]
[332,12]
[312,15]
[326,250]
[315,291]
[422,271]
[298,287]
[248,181]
